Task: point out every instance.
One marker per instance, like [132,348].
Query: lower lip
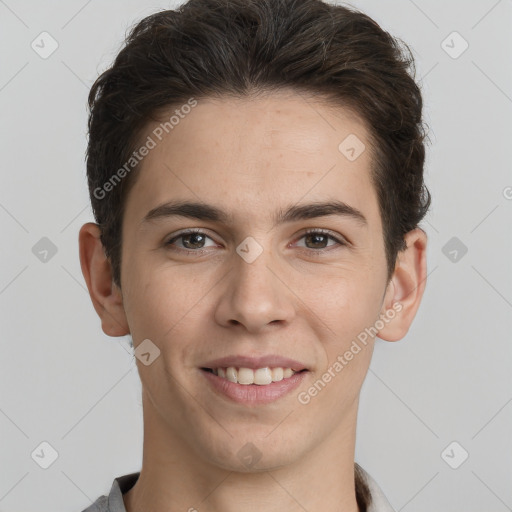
[253,393]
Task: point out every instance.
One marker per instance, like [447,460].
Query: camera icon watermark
[249,249]
[454,455]
[352,147]
[454,249]
[44,455]
[44,45]
[44,250]
[146,352]
[249,455]
[454,45]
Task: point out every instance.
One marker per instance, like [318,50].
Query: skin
[251,157]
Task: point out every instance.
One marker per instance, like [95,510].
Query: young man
[256,174]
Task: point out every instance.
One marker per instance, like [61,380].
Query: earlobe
[406,287]
[105,295]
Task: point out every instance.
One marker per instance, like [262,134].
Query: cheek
[351,310]
[350,313]
[346,304]
[164,302]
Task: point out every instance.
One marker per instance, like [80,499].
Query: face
[254,283]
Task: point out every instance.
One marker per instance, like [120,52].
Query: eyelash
[316,252]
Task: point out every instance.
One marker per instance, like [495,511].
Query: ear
[405,288]
[105,294]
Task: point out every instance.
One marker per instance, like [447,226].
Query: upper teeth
[260,376]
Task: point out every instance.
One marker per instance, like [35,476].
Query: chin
[252,451]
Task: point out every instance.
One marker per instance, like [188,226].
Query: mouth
[248,376]
[254,387]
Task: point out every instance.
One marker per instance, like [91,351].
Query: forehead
[252,154]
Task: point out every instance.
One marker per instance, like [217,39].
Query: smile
[252,387]
[247,376]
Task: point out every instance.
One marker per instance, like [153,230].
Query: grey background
[64,382]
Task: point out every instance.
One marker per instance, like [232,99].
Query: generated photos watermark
[304,397]
[138,155]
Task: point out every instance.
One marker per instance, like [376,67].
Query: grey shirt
[122,484]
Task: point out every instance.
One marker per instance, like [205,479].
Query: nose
[255,295]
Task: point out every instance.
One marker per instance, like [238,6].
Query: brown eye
[192,240]
[318,239]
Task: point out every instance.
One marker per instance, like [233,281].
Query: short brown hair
[209,48]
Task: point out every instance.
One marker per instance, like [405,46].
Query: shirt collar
[120,486]
[123,484]
[379,501]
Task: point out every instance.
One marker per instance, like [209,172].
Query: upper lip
[270,361]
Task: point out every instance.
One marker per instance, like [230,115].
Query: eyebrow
[207,212]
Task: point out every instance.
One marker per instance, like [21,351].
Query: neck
[175,478]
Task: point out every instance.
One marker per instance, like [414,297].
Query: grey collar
[122,484]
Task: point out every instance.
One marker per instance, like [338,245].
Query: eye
[193,240]
[318,238]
